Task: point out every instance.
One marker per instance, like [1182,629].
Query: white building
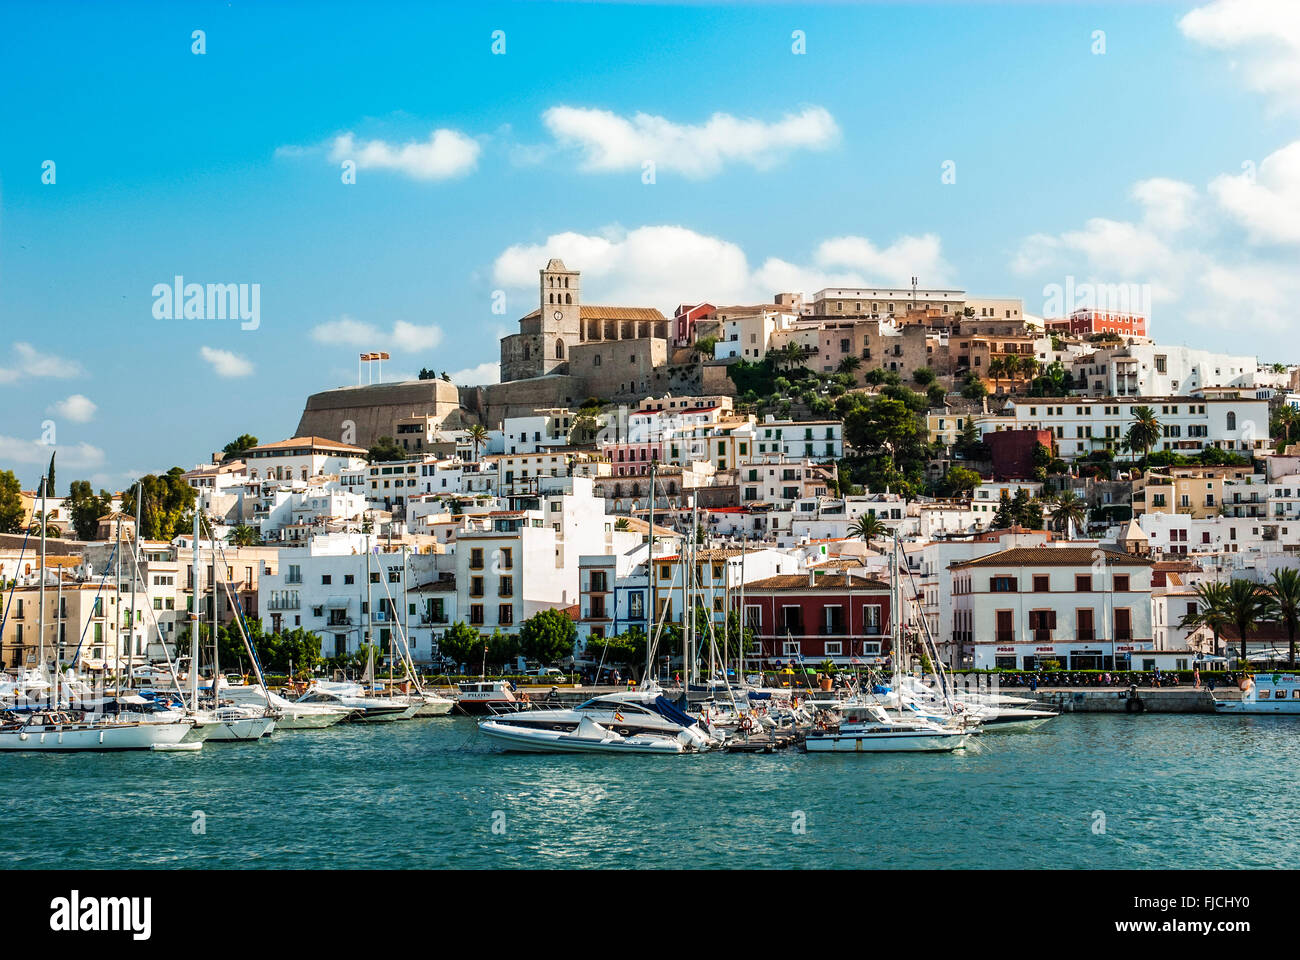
[1086,608]
[301,458]
[1237,425]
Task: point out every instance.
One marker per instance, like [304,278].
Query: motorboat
[868,728]
[55,730]
[630,715]
[992,717]
[479,697]
[429,704]
[231,722]
[1267,693]
[587,737]
[289,715]
[367,709]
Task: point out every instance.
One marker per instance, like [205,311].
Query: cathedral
[563,334]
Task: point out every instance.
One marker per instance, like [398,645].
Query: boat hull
[520,740]
[293,720]
[900,742]
[244,728]
[95,737]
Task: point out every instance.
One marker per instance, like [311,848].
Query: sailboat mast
[369,598]
[117,573]
[194,615]
[212,545]
[654,575]
[130,642]
[40,584]
[740,675]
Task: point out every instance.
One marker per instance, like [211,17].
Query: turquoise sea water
[1175,791]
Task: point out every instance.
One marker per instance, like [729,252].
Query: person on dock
[1196,677]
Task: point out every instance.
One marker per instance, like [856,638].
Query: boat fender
[23,736]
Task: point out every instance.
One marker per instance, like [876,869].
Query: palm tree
[1247,604]
[1284,589]
[851,363]
[792,355]
[478,435]
[41,523]
[997,367]
[1211,611]
[1144,431]
[244,536]
[868,527]
[621,523]
[1067,507]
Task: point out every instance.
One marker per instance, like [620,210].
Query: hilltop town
[1068,490]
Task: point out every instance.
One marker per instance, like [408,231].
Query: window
[1002,584]
[326,579]
[476,613]
[505,613]
[1042,583]
[506,587]
[1083,583]
[1084,632]
[476,586]
[1123,624]
[506,555]
[1121,583]
[476,558]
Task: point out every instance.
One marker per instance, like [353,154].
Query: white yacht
[353,697]
[634,721]
[868,728]
[288,714]
[55,730]
[479,697]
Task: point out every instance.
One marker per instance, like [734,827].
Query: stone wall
[361,415]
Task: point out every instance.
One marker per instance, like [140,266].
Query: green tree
[1004,516]
[868,528]
[11,503]
[459,642]
[1144,430]
[1246,605]
[478,435]
[959,481]
[385,449]
[244,535]
[1066,508]
[923,376]
[235,447]
[547,636]
[849,364]
[1284,589]
[973,388]
[502,648]
[85,508]
[168,504]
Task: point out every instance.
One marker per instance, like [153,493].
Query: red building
[1012,452]
[1082,323]
[684,319]
[830,615]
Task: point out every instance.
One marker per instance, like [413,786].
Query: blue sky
[1122,166]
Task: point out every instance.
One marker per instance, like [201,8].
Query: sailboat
[53,729]
[220,722]
[868,727]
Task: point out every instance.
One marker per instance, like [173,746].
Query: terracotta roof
[825,581]
[305,442]
[707,555]
[1053,557]
[593,312]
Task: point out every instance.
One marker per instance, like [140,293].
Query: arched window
[568,298]
[550,298]
[559,349]
[1232,421]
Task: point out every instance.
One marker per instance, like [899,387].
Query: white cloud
[662,266]
[1180,247]
[1169,204]
[446,154]
[77,408]
[1266,36]
[77,456]
[226,364]
[1267,205]
[26,361]
[484,373]
[347,331]
[609,142]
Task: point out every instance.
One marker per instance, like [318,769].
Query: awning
[338,603]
